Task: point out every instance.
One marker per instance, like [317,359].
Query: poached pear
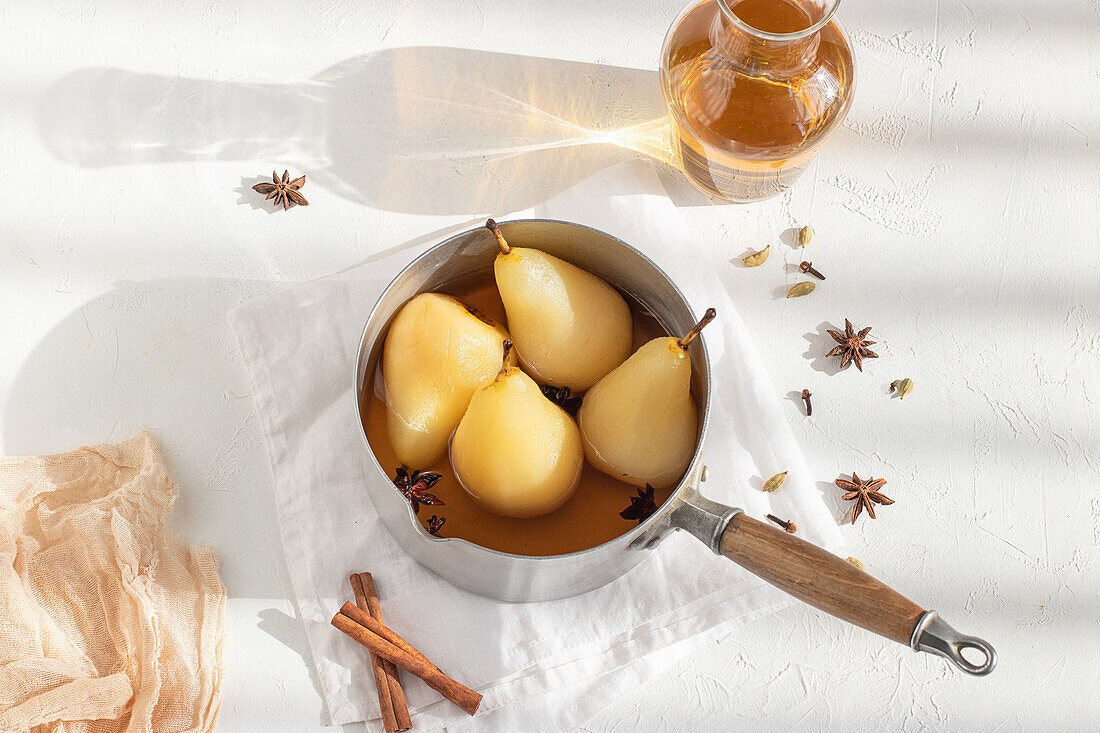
[640,422]
[570,327]
[514,451]
[437,353]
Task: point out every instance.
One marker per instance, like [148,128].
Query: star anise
[284,190]
[562,397]
[865,493]
[853,346]
[435,524]
[641,506]
[415,487]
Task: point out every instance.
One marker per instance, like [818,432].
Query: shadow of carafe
[413,130]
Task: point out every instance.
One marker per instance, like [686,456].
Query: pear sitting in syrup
[640,422]
[514,451]
[570,328]
[437,353]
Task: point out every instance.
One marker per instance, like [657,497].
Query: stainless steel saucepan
[804,570]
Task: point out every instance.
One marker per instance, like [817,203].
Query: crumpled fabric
[105,624]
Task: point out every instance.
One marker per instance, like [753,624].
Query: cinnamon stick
[389,645]
[366,598]
[378,666]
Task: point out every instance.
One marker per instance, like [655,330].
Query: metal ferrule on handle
[704,519]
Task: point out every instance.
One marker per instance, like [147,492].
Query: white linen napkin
[538,664]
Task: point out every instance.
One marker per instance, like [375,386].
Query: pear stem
[507,347]
[491,225]
[707,318]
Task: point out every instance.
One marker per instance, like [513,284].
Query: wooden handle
[819,578]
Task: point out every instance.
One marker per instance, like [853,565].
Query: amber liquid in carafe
[748,113]
[589,518]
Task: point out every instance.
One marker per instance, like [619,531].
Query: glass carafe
[754,87]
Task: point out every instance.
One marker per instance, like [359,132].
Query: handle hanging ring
[933,634]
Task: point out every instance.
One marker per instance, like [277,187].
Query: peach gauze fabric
[105,625]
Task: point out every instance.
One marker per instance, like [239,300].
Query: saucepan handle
[823,580]
[837,587]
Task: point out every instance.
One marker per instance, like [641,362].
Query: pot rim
[629,536]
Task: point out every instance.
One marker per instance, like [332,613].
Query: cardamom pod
[800,289]
[805,234]
[774,482]
[856,562]
[758,258]
[905,386]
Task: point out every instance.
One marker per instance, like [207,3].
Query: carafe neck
[760,53]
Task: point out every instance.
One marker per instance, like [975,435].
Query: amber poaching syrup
[747,113]
[589,518]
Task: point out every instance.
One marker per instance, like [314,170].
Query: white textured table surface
[956,213]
